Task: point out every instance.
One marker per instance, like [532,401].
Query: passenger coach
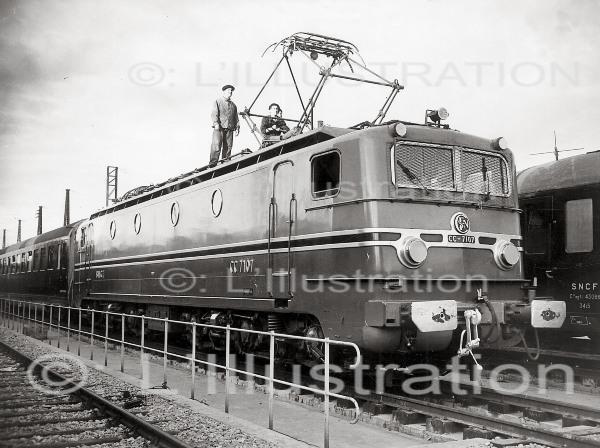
[561,227]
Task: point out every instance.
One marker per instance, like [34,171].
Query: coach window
[51,257]
[325,169]
[43,259]
[579,223]
[36,260]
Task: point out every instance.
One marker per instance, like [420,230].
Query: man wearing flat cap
[273,125]
[225,121]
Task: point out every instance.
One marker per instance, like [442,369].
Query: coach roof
[61,232]
[570,172]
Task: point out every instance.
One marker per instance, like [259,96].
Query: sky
[85,84]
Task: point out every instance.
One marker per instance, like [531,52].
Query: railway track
[487,413]
[53,418]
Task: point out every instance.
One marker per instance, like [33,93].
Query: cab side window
[579,226]
[325,172]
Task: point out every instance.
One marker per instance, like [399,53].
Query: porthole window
[113,230]
[174,213]
[137,223]
[217,202]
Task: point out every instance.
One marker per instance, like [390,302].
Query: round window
[137,223]
[217,202]
[113,230]
[174,213]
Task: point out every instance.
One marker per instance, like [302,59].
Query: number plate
[464,239]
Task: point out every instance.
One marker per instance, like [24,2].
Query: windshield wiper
[486,180]
[411,176]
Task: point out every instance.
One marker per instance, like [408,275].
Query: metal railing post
[50,325]
[43,312]
[227,340]
[122,342]
[271,377]
[12,312]
[165,351]
[29,315]
[35,319]
[193,363]
[92,337]
[79,335]
[68,328]
[326,435]
[106,340]
[142,348]
[58,327]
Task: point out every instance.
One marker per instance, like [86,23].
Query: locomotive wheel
[315,350]
[245,342]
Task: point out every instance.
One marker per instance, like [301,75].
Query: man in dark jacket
[273,125]
[225,121]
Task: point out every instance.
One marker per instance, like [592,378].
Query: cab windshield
[449,168]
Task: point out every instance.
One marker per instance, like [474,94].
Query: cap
[227,86]
[274,104]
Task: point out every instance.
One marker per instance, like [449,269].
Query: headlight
[506,254]
[397,129]
[412,252]
[500,143]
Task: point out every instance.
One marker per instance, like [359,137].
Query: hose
[537,343]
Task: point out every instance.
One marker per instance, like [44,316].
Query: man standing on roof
[225,120]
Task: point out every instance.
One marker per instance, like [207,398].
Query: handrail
[12,314]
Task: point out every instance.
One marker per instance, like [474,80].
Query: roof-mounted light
[500,143]
[398,130]
[434,116]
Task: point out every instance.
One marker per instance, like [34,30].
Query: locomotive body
[382,236]
[561,228]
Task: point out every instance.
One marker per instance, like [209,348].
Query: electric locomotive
[398,236]
[561,229]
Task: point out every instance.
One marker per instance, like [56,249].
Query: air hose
[537,343]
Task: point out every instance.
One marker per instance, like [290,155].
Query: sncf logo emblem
[461,223]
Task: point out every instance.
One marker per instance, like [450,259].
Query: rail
[14,313]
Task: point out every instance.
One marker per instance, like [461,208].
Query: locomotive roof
[576,171]
[44,237]
[238,161]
